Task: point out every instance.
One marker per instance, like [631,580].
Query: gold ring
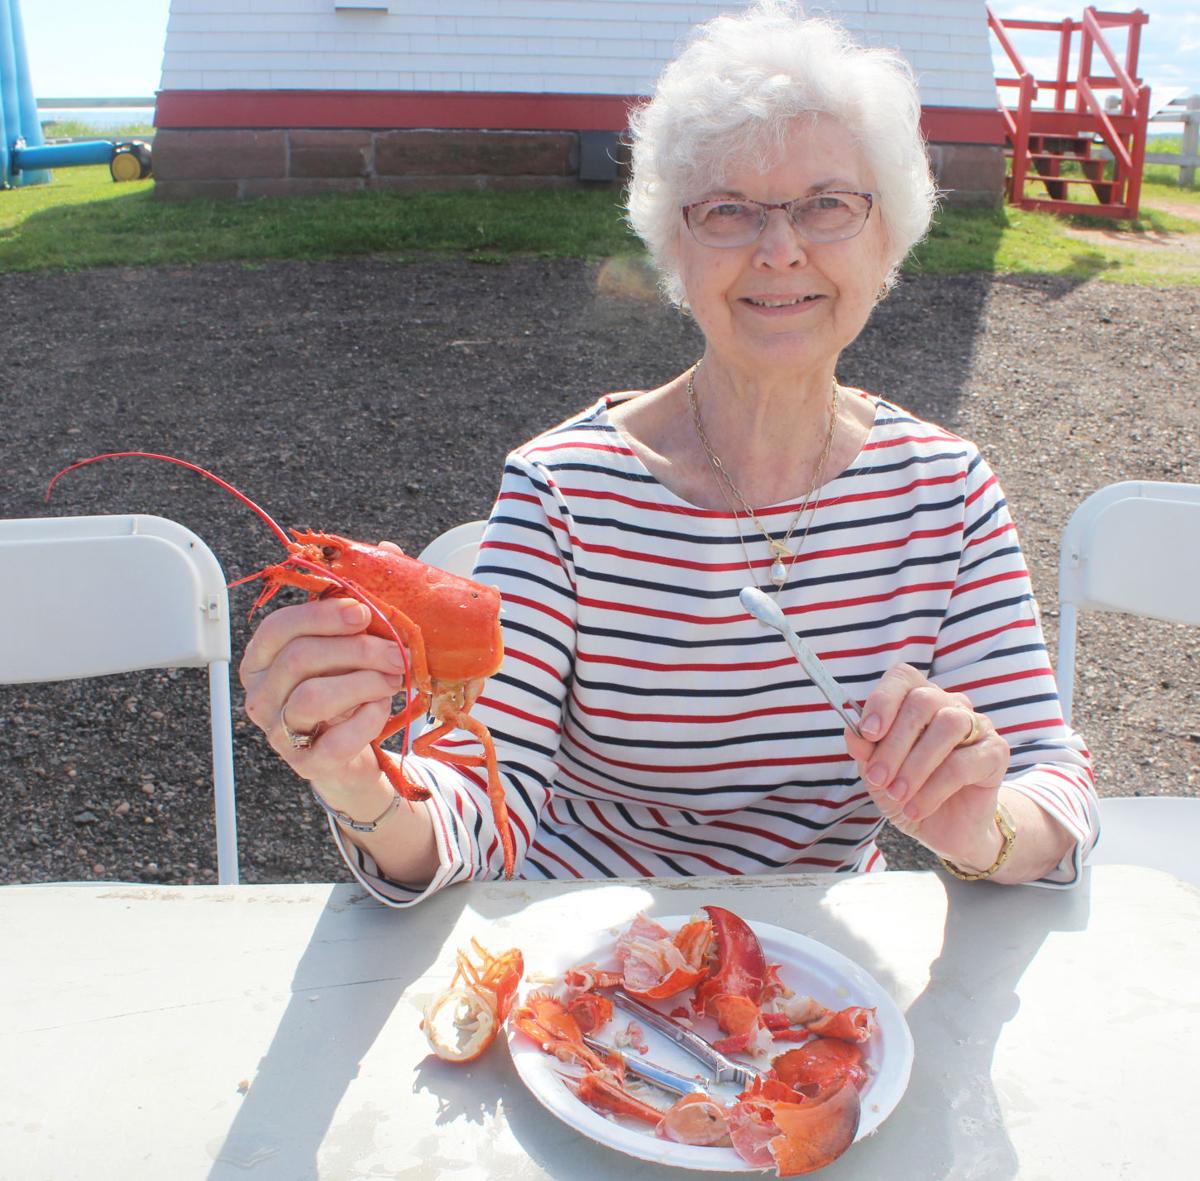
[300,739]
[976,731]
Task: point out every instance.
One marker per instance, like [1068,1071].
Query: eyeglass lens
[826,217]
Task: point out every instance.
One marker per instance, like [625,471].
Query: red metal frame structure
[1044,139]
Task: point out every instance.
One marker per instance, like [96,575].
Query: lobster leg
[424,745]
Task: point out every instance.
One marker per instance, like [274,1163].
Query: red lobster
[448,627]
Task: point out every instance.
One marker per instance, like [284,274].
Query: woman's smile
[781,305]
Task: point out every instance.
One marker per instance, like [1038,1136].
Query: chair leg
[224,802]
[1065,672]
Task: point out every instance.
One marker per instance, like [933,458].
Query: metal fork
[722,1069]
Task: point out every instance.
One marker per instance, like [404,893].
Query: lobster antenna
[272,524]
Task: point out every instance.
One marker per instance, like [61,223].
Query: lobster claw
[733,992]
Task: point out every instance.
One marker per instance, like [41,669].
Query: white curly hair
[730,98]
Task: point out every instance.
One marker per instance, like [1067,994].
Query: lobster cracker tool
[720,1068]
[767,611]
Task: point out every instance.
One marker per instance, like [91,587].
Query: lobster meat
[447,626]
[462,1022]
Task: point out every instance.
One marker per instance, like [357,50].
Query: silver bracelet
[359,825]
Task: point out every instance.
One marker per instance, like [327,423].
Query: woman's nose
[781,244]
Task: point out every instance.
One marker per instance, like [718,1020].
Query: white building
[294,96]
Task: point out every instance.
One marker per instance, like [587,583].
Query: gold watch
[1008,830]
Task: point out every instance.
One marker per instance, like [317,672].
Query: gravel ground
[378,399]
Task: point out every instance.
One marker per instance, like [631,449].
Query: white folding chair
[1134,548]
[455,549]
[91,596]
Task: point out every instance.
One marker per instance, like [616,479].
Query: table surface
[268,1032]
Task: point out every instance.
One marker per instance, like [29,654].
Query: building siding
[526,46]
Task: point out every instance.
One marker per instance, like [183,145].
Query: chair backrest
[90,596]
[1132,547]
[455,549]
[1161,832]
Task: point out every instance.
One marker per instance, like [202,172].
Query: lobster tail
[271,523]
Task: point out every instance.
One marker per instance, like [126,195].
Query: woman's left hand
[922,776]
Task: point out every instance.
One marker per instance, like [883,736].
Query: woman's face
[822,292]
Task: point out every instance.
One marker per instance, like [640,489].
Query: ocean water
[100,118]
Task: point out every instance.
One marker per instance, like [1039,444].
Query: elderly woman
[644,723]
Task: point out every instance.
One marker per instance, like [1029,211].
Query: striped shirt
[645,725]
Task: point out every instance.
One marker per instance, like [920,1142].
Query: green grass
[1164,174]
[83,219]
[77,129]
[1016,241]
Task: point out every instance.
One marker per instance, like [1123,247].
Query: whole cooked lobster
[447,626]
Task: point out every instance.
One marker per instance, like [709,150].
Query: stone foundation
[294,162]
[242,163]
[970,175]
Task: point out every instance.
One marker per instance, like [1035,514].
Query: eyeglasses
[831,216]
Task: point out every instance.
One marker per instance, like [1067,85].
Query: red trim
[475,110]
[963,125]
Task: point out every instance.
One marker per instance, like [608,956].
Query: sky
[78,48]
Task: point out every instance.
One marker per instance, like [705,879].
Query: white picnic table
[271,1032]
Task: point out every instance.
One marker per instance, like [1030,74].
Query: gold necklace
[779,572]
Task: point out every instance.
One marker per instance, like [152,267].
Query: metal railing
[1187,112]
[64,104]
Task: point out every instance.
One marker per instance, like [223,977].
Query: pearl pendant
[779,572]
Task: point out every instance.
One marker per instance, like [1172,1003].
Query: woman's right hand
[316,662]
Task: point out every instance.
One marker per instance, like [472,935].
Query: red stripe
[972,497]
[483,806]
[545,852]
[1051,804]
[672,851]
[987,682]
[765,834]
[446,844]
[472,864]
[708,768]
[873,860]
[699,719]
[528,550]
[1007,576]
[627,856]
[1076,786]
[1040,724]
[980,636]
[546,448]
[1006,528]
[534,605]
[713,514]
[901,440]
[659,559]
[533,660]
[750,665]
[742,616]
[817,801]
[524,715]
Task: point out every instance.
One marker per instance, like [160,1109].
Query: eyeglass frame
[768,206]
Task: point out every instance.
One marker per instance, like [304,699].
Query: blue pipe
[18,110]
[93,151]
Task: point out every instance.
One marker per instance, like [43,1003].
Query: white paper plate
[806,966]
